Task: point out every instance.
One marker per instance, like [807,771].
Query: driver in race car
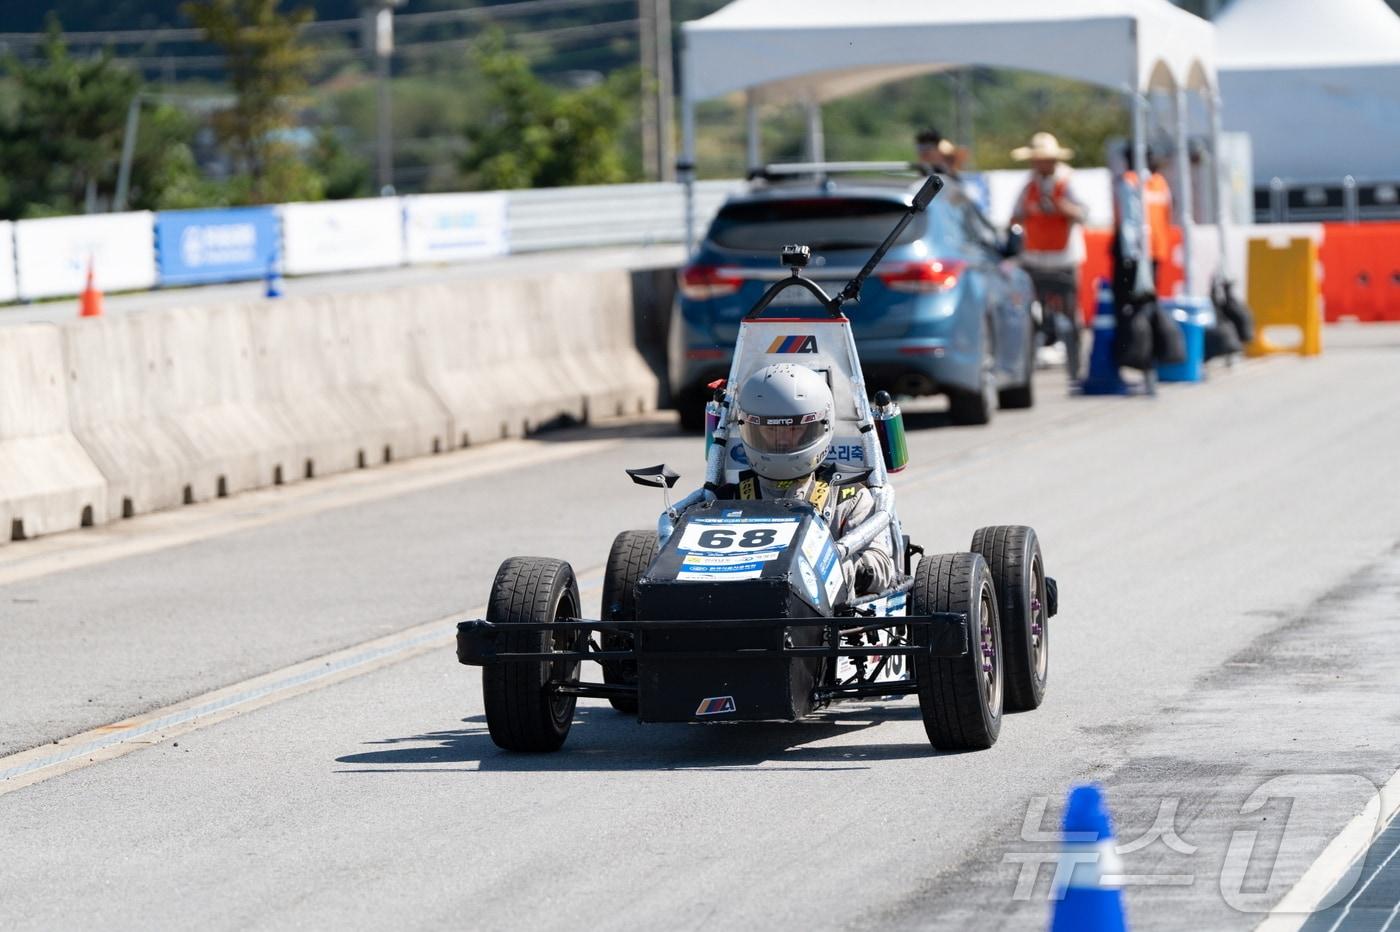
[785,415]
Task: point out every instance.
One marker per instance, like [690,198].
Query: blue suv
[947,312]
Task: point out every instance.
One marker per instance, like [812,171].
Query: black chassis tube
[943,634]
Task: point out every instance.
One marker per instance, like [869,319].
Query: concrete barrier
[342,373]
[165,404]
[511,355]
[47,481]
[144,411]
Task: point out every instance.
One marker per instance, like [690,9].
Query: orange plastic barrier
[1361,271]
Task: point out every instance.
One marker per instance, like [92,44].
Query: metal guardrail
[1350,200]
[608,215]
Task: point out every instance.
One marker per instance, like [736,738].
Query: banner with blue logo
[226,245]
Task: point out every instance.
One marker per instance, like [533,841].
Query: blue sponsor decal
[846,453]
[737,454]
[827,560]
[718,570]
[227,245]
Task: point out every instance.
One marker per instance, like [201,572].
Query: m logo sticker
[798,343]
[717,705]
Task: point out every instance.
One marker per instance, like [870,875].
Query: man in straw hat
[1052,217]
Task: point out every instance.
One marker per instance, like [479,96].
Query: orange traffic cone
[90,304]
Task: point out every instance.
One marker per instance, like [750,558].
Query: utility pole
[665,105]
[379,36]
[646,40]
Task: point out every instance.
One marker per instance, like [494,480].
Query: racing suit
[870,570]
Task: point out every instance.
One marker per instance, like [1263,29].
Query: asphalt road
[1225,663]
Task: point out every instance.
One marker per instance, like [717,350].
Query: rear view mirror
[1015,241]
[658,476]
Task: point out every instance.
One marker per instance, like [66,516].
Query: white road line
[106,742]
[1299,903]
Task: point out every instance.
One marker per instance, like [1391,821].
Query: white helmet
[785,420]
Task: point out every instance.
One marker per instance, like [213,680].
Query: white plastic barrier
[610,214]
[52,255]
[336,236]
[9,289]
[453,227]
[47,481]
[1205,256]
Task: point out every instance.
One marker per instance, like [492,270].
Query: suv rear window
[827,223]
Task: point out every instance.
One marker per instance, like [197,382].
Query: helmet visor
[776,435]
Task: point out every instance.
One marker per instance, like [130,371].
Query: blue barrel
[1194,316]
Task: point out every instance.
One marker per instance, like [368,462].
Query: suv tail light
[702,282]
[924,276]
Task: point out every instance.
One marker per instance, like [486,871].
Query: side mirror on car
[1015,241]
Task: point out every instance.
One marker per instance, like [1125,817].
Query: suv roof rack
[787,170]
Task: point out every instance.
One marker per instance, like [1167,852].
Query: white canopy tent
[1316,86]
[817,50]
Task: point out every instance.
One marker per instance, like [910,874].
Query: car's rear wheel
[521,713]
[961,697]
[1013,554]
[631,554]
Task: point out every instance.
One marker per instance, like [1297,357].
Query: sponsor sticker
[729,559]
[814,540]
[797,343]
[716,705]
[809,581]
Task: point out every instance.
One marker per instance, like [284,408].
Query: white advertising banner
[333,236]
[451,227]
[8,288]
[52,254]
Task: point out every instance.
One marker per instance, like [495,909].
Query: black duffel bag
[1132,335]
[1228,307]
[1168,342]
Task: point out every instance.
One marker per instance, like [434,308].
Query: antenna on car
[922,198]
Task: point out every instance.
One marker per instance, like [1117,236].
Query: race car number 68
[737,537]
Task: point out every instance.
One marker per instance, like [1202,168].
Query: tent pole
[1220,181]
[1144,277]
[816,140]
[686,166]
[754,147]
[1184,195]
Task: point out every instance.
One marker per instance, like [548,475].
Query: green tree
[63,138]
[539,136]
[267,65]
[62,129]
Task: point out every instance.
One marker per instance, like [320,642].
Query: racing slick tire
[960,698]
[631,554]
[520,714]
[1018,572]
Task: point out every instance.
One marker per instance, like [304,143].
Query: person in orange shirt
[1052,218]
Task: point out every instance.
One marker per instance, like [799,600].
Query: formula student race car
[739,610]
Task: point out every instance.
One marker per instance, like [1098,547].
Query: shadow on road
[603,740]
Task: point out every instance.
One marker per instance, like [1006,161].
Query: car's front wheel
[522,713]
[960,698]
[631,554]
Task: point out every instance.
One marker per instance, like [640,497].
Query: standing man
[1052,217]
[936,153]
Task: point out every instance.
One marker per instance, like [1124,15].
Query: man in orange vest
[1052,218]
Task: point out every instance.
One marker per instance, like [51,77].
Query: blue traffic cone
[1103,378]
[1086,889]
[273,278]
